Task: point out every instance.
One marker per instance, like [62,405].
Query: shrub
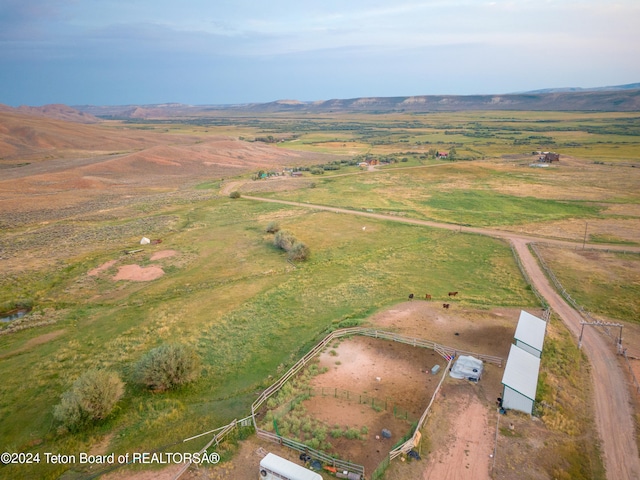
[299,251]
[168,366]
[284,240]
[234,194]
[91,398]
[273,227]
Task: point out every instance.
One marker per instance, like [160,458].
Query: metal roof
[521,372]
[530,330]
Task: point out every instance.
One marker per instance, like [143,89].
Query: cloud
[202,51]
[20,19]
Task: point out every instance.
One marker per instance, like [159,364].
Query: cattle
[453,294]
[411,296]
[445,305]
[427,297]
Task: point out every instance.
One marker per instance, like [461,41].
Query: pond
[13,314]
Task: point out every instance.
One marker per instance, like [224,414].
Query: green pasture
[604,283]
[458,193]
[597,136]
[231,294]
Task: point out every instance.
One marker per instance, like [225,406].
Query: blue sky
[111,52]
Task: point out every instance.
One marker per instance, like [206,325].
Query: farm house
[520,380]
[530,332]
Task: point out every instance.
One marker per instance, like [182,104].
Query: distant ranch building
[549,157]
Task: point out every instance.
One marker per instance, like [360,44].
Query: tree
[92,397]
[234,194]
[168,366]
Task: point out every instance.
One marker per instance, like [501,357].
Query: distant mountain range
[619,98]
[628,86]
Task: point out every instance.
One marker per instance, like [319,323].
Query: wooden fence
[446,352]
[222,432]
[313,453]
[449,353]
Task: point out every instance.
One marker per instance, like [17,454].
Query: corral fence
[220,434]
[313,453]
[448,353]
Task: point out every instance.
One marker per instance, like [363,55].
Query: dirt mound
[98,270]
[136,273]
[163,254]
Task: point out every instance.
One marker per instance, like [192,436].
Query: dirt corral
[372,384]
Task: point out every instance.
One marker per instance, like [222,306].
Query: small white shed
[273,467]
[530,333]
[520,380]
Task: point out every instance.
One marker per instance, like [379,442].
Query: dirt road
[613,411]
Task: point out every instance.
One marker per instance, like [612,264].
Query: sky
[214,52]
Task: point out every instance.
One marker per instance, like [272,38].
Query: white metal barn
[273,467]
[520,380]
[530,333]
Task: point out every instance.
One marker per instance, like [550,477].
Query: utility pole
[584,240]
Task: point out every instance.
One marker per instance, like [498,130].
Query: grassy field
[604,283]
[230,293]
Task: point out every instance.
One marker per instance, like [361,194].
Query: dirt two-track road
[613,411]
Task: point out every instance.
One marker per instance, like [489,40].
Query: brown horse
[453,294]
[427,297]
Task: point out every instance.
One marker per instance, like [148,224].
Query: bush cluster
[295,249]
[167,367]
[93,396]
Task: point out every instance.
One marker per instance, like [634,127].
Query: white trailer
[273,467]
